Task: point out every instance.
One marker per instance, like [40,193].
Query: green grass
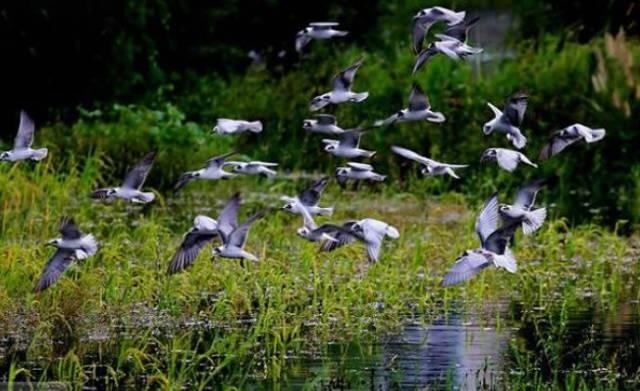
[295,300]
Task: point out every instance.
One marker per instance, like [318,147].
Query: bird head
[320,101]
[217,251]
[303,231]
[342,171]
[400,114]
[237,167]
[53,242]
[489,154]
[504,208]
[288,206]
[422,12]
[488,127]
[426,170]
[307,124]
[330,147]
[5,155]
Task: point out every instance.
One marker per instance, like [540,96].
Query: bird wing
[218,161]
[238,237]
[418,100]
[325,119]
[192,244]
[488,218]
[302,40]
[497,242]
[228,219]
[360,166]
[418,33]
[343,236]
[557,144]
[460,31]
[373,238]
[507,160]
[307,219]
[465,267]
[424,56]
[350,138]
[311,195]
[136,177]
[26,129]
[526,196]
[409,154]
[56,265]
[69,229]
[322,25]
[344,80]
[262,164]
[515,107]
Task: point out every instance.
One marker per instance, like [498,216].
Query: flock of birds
[495,225]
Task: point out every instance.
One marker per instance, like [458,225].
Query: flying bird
[449,46]
[460,31]
[370,231]
[22,143]
[203,231]
[324,124]
[427,17]
[357,171]
[509,122]
[493,247]
[341,93]
[308,198]
[232,126]
[317,30]
[419,109]
[253,168]
[522,212]
[130,189]
[234,236]
[507,159]
[72,246]
[430,167]
[347,145]
[569,135]
[212,171]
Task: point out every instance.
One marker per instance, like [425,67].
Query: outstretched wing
[350,138]
[460,31]
[69,229]
[136,177]
[325,119]
[515,107]
[218,161]
[26,129]
[344,80]
[409,154]
[311,195]
[228,220]
[192,244]
[557,144]
[58,263]
[465,267]
[526,196]
[424,56]
[239,236]
[343,237]
[488,218]
[418,100]
[497,242]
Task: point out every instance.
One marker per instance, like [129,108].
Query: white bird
[231,126]
[522,212]
[324,124]
[509,122]
[308,198]
[370,231]
[130,189]
[507,159]
[425,18]
[253,168]
[569,135]
[419,109]
[234,236]
[460,31]
[203,231]
[347,145]
[22,143]
[341,93]
[449,46]
[317,30]
[430,167]
[493,247]
[71,247]
[314,233]
[357,171]
[212,171]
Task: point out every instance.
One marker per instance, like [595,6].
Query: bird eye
[325,97]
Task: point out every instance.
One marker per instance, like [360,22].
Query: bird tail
[526,160]
[392,232]
[369,153]
[255,127]
[89,247]
[359,97]
[506,261]
[145,197]
[436,117]
[340,33]
[596,135]
[39,154]
[379,178]
[325,211]
[452,173]
[517,139]
[269,173]
[533,220]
